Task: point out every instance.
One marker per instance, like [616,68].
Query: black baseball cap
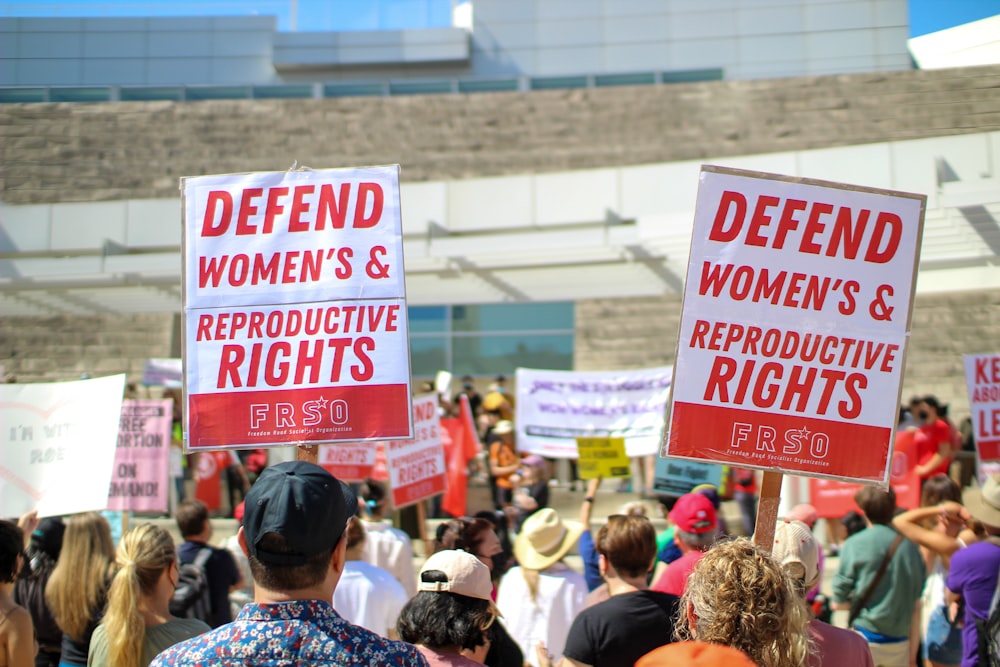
[303,503]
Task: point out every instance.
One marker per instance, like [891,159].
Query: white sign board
[59,441]
[554,408]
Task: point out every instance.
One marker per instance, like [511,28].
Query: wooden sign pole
[767,510]
[308,453]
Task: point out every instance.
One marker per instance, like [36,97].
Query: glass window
[513,317]
[491,355]
[428,355]
[427,319]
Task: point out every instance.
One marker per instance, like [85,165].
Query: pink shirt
[837,647]
[674,579]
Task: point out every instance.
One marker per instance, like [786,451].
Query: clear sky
[925,15]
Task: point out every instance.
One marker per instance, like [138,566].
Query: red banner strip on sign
[768,440]
[324,414]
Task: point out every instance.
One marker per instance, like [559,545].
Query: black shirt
[622,629]
[221,573]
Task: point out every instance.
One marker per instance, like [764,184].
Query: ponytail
[143,554]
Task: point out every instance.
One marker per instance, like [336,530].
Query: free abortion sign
[295,308]
[794,327]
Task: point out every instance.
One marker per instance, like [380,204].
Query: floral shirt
[302,632]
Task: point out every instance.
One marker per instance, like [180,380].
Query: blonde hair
[741,597]
[144,553]
[76,590]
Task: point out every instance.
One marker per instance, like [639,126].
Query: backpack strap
[863,600]
[203,555]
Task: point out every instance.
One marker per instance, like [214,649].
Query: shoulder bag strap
[863,600]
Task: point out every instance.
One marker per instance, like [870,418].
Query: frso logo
[793,442]
[308,413]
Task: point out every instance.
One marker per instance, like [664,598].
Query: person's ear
[242,539]
[339,554]
[602,564]
[692,620]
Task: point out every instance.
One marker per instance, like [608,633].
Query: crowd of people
[318,574]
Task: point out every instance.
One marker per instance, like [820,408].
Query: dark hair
[372,490]
[354,532]
[289,577]
[444,619]
[667,501]
[940,409]
[191,517]
[462,534]
[11,546]
[877,504]
[628,543]
[852,522]
[939,488]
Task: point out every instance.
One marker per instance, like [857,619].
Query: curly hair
[740,597]
[444,619]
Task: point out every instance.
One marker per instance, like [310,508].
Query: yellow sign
[602,457]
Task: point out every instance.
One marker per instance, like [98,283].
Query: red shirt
[928,441]
[674,579]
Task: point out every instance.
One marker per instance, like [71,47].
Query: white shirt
[369,596]
[390,549]
[560,597]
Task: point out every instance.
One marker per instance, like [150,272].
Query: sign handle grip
[308,453]
[767,510]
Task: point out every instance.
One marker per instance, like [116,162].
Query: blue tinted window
[490,355]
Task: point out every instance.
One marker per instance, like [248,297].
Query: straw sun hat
[544,539]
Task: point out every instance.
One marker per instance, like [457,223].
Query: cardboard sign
[348,461]
[294,308]
[795,323]
[602,457]
[675,477]
[554,408]
[139,477]
[982,374]
[416,467]
[58,445]
[833,499]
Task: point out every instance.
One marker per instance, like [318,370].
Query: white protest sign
[295,308]
[349,461]
[795,322]
[58,445]
[416,467]
[139,476]
[982,374]
[554,408]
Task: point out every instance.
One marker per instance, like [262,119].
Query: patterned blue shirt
[302,632]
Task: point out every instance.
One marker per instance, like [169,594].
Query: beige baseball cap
[467,575]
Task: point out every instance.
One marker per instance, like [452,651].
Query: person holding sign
[294,536]
[138,623]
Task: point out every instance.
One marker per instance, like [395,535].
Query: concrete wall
[79,152]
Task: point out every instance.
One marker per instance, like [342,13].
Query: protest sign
[602,458]
[833,499]
[163,372]
[675,477]
[416,466]
[348,461]
[58,446]
[982,374]
[208,469]
[554,408]
[139,477]
[295,312]
[794,326]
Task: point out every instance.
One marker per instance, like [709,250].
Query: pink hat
[694,513]
[804,513]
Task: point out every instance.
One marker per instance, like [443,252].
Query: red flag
[461,444]
[208,477]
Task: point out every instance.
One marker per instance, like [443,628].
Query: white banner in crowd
[139,477]
[59,441]
[556,407]
[295,308]
[416,467]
